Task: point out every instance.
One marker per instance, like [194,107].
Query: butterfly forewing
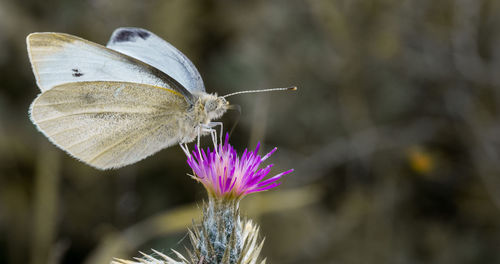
[109,124]
[153,50]
[59,58]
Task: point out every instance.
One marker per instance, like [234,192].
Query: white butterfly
[115,105]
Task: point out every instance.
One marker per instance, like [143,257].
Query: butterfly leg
[185,148]
[214,124]
[198,141]
[209,128]
[213,133]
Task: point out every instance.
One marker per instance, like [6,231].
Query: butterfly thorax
[206,108]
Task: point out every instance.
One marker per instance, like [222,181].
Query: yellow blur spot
[420,160]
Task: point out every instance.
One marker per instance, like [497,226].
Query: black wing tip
[129,34]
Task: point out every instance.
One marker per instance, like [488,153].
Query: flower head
[225,175]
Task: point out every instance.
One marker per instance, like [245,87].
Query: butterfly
[113,106]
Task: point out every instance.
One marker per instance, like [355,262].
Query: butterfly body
[113,106]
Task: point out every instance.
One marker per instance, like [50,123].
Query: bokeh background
[394,132]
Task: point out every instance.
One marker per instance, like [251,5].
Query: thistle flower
[227,176]
[223,237]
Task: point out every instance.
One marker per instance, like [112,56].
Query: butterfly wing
[58,58]
[153,50]
[109,124]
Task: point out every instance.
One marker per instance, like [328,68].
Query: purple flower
[225,175]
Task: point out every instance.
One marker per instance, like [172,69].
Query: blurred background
[393,133]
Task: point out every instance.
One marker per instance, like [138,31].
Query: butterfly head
[214,106]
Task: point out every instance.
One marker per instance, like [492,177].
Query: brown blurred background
[394,132]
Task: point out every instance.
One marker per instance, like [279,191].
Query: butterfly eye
[210,105]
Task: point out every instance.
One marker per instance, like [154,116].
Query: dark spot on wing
[143,34]
[77,73]
[130,35]
[124,35]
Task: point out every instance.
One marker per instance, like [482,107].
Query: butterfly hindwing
[109,124]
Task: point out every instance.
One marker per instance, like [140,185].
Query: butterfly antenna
[293,88]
